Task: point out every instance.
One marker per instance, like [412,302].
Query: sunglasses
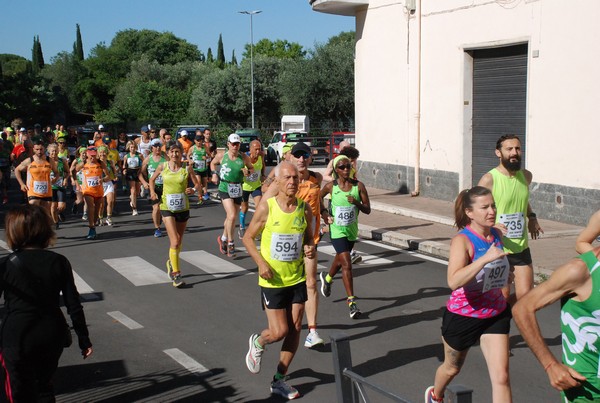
[344,167]
[235,144]
[302,155]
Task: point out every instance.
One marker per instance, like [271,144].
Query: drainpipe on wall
[417,189]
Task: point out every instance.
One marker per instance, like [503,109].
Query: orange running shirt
[38,179]
[309,191]
[92,180]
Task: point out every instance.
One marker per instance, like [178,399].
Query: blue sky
[198,21]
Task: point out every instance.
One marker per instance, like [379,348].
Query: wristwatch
[531,215]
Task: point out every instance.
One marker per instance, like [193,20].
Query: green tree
[209,56]
[322,86]
[78,46]
[281,49]
[233,58]
[152,92]
[220,53]
[108,66]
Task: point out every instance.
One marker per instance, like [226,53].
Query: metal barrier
[352,388]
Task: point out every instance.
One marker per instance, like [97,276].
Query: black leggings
[28,379]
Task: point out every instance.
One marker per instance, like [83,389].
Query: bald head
[343,144]
[288,178]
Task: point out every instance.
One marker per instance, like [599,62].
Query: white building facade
[439,81]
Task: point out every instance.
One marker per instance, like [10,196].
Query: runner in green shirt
[231,175]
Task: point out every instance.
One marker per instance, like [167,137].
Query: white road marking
[138,271]
[83,288]
[186,361]
[125,320]
[367,260]
[211,264]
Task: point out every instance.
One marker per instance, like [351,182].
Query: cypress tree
[78,49]
[220,53]
[209,56]
[40,54]
[34,60]
[233,58]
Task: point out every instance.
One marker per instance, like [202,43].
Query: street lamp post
[251,13]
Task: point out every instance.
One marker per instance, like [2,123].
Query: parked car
[247,136]
[275,147]
[191,129]
[338,137]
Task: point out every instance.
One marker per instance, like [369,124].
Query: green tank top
[152,165]
[198,156]
[63,154]
[174,198]
[60,165]
[281,245]
[252,182]
[511,195]
[345,214]
[580,327]
[80,172]
[230,172]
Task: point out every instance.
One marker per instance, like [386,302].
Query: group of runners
[489,253]
[152,163]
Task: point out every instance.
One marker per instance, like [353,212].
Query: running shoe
[200,202]
[354,311]
[91,233]
[241,232]
[74,208]
[206,197]
[84,217]
[222,245]
[279,387]
[254,355]
[61,217]
[313,339]
[109,221]
[325,286]
[231,250]
[57,226]
[142,192]
[157,233]
[177,280]
[430,397]
[99,222]
[356,258]
[134,212]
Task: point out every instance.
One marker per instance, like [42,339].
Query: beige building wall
[413,94]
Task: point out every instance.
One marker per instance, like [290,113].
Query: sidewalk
[426,225]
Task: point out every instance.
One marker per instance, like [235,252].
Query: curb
[388,208]
[404,241]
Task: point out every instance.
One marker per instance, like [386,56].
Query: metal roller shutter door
[499,102]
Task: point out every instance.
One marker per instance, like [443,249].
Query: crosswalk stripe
[138,271]
[125,320]
[211,264]
[84,289]
[186,361]
[367,260]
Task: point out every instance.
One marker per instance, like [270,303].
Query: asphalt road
[153,342]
